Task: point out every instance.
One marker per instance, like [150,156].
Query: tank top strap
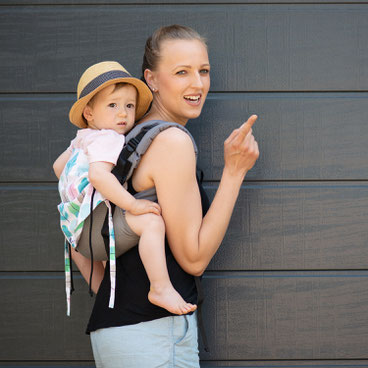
[130,188]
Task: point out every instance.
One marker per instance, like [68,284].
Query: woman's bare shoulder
[170,151]
[174,135]
[171,141]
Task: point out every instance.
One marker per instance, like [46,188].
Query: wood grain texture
[301,136]
[296,226]
[306,136]
[171,2]
[256,48]
[287,315]
[279,226]
[303,206]
[248,316]
[212,364]
[50,364]
[35,131]
[287,364]
[30,234]
[36,326]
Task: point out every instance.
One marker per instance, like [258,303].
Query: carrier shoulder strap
[137,142]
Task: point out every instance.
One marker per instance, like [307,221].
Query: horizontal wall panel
[30,234]
[247,315]
[35,131]
[287,364]
[171,2]
[211,364]
[36,326]
[304,136]
[256,48]
[274,227]
[301,136]
[306,226]
[48,364]
[286,316]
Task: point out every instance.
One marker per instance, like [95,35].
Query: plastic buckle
[132,144]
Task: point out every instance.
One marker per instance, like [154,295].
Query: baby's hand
[142,206]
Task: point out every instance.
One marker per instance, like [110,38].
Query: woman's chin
[194,112]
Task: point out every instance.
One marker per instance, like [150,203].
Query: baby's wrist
[131,204]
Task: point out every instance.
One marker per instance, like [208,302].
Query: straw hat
[102,75]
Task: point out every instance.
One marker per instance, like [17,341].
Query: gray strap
[149,137]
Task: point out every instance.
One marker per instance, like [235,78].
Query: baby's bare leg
[151,229]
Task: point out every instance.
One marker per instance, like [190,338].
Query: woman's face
[182,80]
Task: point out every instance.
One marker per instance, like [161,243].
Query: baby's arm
[60,162]
[106,183]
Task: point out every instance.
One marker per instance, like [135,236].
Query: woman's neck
[158,113]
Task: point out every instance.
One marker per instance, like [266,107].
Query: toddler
[109,102]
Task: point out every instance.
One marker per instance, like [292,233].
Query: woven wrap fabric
[76,195]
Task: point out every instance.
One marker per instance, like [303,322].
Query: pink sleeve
[71,146]
[105,145]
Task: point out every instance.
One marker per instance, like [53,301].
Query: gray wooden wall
[289,286]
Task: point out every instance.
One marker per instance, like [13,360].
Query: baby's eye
[130,106]
[112,104]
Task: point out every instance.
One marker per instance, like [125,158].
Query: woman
[136,333]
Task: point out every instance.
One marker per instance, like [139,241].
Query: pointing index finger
[247,126]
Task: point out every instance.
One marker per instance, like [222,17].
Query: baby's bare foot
[168,298]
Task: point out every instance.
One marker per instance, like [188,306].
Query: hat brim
[143,101]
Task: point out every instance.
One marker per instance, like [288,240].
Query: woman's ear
[150,79]
[88,113]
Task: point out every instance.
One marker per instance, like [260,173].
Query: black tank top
[132,286]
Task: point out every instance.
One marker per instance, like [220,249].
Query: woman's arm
[194,240]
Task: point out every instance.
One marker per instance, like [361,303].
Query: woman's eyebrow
[182,66]
[189,66]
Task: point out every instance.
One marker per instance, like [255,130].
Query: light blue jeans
[166,342]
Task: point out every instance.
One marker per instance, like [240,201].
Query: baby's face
[114,108]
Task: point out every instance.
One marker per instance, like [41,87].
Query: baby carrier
[138,141]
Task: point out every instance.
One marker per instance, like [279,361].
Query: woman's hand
[241,149]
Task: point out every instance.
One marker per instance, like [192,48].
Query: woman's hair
[151,55]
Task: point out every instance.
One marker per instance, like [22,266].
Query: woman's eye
[130,106]
[181,72]
[204,71]
[113,104]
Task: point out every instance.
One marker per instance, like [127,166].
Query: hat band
[103,78]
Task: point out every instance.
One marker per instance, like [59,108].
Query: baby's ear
[87,113]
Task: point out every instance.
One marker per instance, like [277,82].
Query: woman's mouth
[193,100]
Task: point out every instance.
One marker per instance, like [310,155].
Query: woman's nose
[197,80]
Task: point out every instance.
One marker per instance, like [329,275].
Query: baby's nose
[122,112]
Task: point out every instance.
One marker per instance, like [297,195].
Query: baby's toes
[192,307]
